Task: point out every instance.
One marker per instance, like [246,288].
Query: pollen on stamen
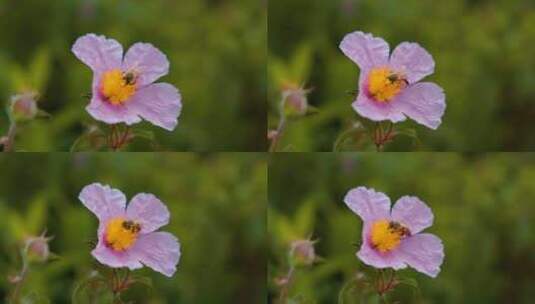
[386,236]
[385,84]
[117,87]
[121,234]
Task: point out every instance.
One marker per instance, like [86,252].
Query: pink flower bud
[302,252]
[38,247]
[23,107]
[272,134]
[295,102]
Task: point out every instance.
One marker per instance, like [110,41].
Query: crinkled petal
[365,50]
[112,114]
[412,213]
[148,61]
[369,108]
[99,53]
[149,211]
[160,104]
[368,204]
[423,102]
[413,60]
[374,258]
[423,252]
[115,259]
[159,251]
[104,201]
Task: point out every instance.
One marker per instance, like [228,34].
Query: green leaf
[411,133]
[39,70]
[91,289]
[35,217]
[33,298]
[144,281]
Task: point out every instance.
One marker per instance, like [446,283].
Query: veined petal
[413,60]
[149,211]
[368,204]
[365,50]
[160,104]
[424,102]
[103,201]
[159,251]
[423,252]
[98,52]
[412,213]
[146,60]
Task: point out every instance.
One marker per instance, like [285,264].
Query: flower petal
[111,114]
[99,53]
[424,102]
[104,201]
[412,213]
[423,252]
[368,204]
[159,103]
[112,258]
[413,60]
[159,251]
[150,62]
[376,111]
[365,50]
[149,211]
[372,257]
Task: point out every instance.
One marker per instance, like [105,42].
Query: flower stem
[9,140]
[283,295]
[381,136]
[117,138]
[22,274]
[278,135]
[119,285]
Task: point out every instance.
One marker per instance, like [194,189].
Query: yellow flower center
[117,87]
[384,84]
[121,234]
[386,236]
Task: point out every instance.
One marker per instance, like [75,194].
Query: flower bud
[272,134]
[302,253]
[23,107]
[38,247]
[294,102]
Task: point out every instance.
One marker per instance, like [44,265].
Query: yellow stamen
[386,236]
[121,234]
[384,84]
[117,87]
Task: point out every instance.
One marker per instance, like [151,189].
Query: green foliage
[483,208]
[217,205]
[216,50]
[480,49]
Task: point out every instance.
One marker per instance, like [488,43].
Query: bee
[393,78]
[129,78]
[399,229]
[131,226]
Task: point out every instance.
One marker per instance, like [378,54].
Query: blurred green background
[217,204]
[482,49]
[217,51]
[484,207]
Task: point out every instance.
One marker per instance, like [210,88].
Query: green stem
[10,137]
[278,135]
[22,275]
[286,287]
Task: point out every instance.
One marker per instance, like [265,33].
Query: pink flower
[388,86]
[123,88]
[127,237]
[392,238]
